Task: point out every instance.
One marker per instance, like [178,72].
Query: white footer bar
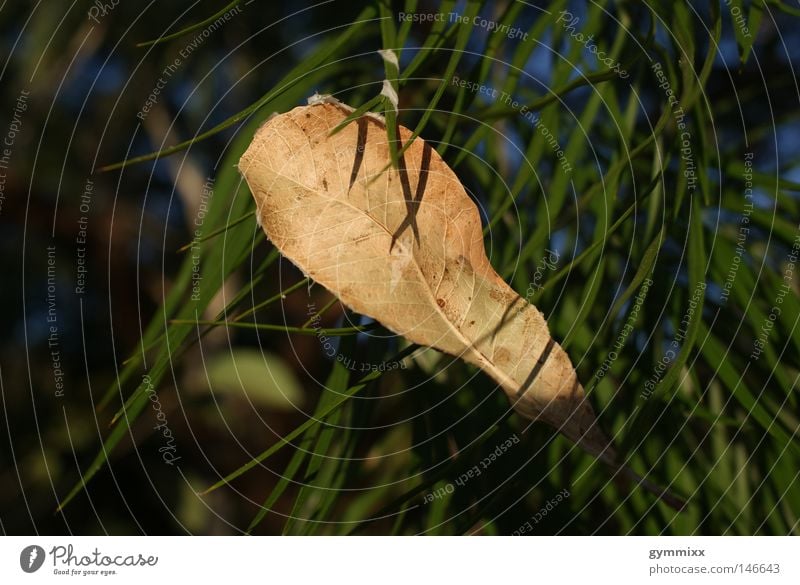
[401,560]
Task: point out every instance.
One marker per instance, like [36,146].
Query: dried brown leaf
[406,248]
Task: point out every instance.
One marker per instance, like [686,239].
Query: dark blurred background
[73,82]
